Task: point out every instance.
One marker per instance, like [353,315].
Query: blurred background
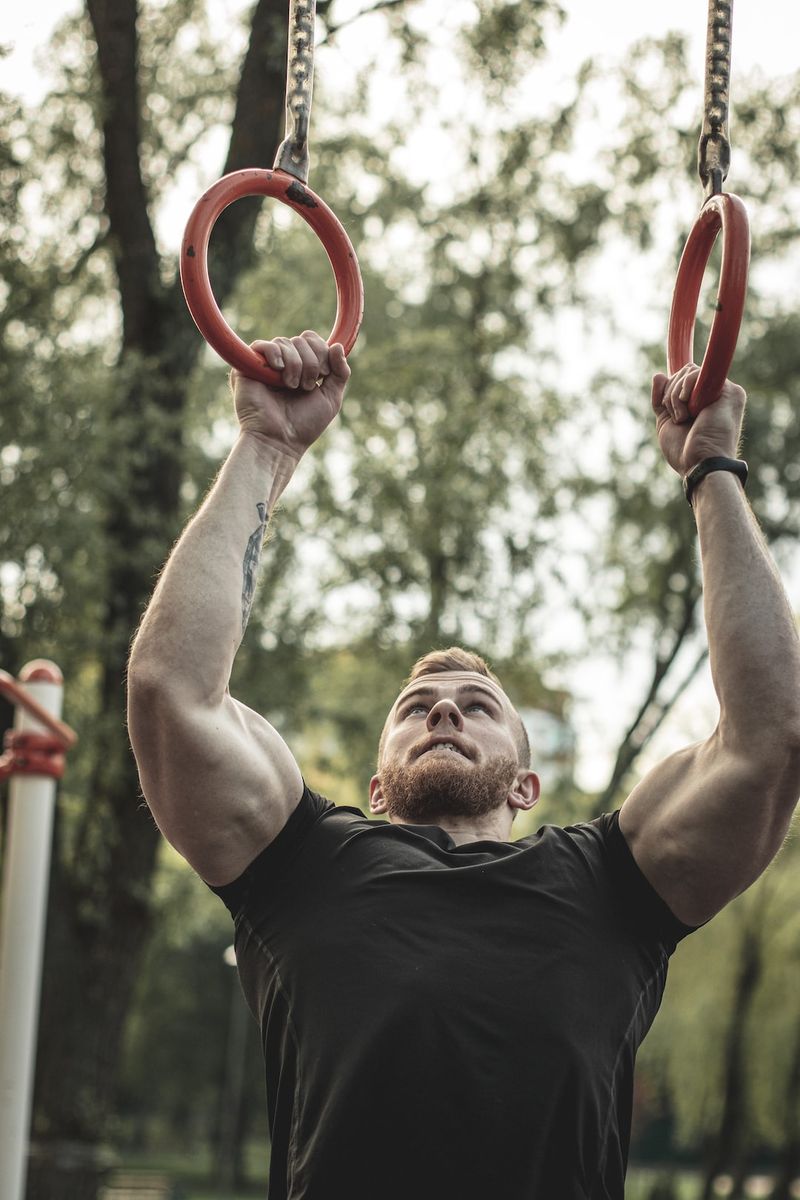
[518,180]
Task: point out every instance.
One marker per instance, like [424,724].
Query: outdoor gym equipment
[34,760]
[288,183]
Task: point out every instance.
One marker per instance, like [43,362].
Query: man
[445,1012]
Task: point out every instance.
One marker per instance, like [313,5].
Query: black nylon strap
[737,466]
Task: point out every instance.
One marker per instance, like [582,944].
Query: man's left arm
[708,820]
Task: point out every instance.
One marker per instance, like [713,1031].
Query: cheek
[396,740]
[497,740]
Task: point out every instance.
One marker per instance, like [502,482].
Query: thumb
[659,383]
[338,363]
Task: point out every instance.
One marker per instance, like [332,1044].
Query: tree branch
[650,714]
[83,258]
[364,12]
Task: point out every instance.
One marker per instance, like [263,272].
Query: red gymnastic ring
[726,212]
[194,264]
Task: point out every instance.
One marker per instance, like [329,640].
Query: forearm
[753,643]
[197,616]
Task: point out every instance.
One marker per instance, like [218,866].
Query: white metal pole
[26,869]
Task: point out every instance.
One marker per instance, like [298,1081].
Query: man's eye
[477,704]
[413,708]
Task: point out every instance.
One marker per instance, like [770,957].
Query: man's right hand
[292,418]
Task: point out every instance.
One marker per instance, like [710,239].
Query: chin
[435,786]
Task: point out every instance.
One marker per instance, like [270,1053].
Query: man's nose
[444,712]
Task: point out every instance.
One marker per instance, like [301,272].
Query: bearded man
[445,1012]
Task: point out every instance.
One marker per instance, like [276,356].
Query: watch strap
[737,467]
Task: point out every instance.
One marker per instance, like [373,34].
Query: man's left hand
[715,431]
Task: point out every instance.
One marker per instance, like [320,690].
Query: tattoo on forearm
[252,557]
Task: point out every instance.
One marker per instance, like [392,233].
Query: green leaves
[507,38]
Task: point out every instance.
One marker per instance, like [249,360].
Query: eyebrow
[462,690]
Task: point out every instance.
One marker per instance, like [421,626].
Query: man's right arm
[219,780]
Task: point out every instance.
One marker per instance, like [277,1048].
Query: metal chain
[714,151]
[292,155]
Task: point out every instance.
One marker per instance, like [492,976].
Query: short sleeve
[650,913]
[275,857]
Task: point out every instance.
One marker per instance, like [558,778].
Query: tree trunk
[99,914]
[728,1150]
[789,1161]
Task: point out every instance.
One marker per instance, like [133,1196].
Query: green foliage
[686,1049]
[507,38]
[187,79]
[175,1048]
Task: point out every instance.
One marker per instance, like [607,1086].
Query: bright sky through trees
[765,33]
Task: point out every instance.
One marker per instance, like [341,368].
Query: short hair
[455,658]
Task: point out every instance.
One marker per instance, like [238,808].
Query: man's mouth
[445,748]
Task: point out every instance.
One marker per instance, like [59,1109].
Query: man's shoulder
[311,821]
[591,837]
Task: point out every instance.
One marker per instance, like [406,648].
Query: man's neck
[492,827]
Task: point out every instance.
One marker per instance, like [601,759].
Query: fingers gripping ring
[726,212]
[194,264]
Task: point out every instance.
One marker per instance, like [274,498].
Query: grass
[641,1180]
[193,1175]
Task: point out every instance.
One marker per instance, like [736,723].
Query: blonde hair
[455,658]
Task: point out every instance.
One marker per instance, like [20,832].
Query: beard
[435,786]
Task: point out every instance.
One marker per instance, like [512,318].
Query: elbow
[783,740]
[144,700]
[767,758]
[170,664]
[154,681]
[762,737]
[152,690]
[775,759]
[784,771]
[144,678]
[789,756]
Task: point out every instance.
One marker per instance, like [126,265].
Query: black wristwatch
[737,467]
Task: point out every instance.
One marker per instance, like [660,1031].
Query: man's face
[450,749]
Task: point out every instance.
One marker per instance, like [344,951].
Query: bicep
[706,822]
[219,780]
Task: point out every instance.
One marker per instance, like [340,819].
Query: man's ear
[525,791]
[377,803]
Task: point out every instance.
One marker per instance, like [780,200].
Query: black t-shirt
[448,1021]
